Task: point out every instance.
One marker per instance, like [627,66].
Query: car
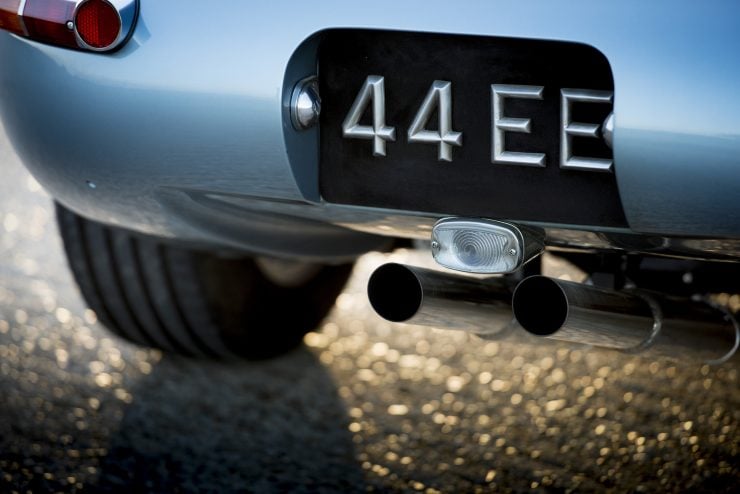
[218,168]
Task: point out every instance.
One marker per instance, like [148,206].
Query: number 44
[373,92]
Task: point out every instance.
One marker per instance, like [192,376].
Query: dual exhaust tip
[400,293]
[630,321]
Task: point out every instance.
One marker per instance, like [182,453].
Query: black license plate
[450,165]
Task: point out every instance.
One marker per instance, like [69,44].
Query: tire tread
[189,302]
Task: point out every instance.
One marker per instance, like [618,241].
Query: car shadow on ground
[83,411]
[273,426]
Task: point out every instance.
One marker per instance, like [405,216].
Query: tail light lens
[46,20]
[96,25]
[9,18]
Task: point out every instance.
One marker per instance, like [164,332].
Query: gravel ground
[363,406]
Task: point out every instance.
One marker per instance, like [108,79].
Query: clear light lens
[477,246]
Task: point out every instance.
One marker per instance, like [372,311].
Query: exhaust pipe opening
[425,297]
[540,305]
[395,292]
[629,320]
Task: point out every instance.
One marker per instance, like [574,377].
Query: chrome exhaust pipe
[412,295]
[631,321]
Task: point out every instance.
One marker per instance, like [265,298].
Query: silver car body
[185,132]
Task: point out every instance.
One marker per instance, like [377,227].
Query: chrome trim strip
[21,9]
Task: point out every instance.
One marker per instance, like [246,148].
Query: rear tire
[191,302]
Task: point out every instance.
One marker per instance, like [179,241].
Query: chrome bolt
[305,104]
[512,252]
[607,130]
[435,245]
[70,25]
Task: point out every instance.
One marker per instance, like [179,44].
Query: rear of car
[608,134]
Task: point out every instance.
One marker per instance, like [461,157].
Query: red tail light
[9,18]
[46,20]
[98,25]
